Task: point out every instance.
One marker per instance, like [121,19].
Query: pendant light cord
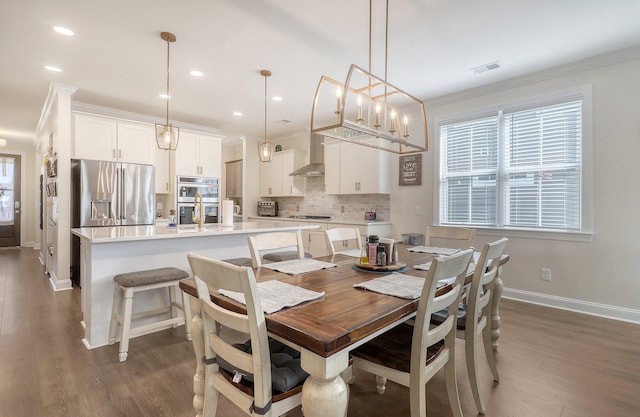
[265,108]
[168,42]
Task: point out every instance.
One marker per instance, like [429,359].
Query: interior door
[9,200]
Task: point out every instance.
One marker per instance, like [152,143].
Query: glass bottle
[364,254]
[373,249]
[381,256]
[172,219]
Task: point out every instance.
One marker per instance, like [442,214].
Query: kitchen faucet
[197,209]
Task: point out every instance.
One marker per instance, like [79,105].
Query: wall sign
[410,170]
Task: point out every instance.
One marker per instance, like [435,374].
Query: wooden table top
[344,315]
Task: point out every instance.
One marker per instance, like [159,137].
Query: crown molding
[77,106]
[598,61]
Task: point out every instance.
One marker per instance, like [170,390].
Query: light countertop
[317,221]
[130,233]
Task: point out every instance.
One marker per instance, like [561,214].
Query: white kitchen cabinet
[317,243]
[198,155]
[163,182]
[106,139]
[356,169]
[274,176]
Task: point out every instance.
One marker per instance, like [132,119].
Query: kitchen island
[108,251]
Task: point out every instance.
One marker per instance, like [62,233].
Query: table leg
[197,339]
[498,289]
[324,393]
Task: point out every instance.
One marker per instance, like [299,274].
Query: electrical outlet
[545,274]
[341,209]
[418,210]
[297,208]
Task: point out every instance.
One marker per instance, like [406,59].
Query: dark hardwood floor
[552,363]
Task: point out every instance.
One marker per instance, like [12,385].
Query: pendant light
[265,148]
[366,110]
[167,135]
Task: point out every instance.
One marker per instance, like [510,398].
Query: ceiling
[116,58]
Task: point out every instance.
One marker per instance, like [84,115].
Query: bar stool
[126,285]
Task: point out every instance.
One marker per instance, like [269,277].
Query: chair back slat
[453,237]
[270,242]
[341,234]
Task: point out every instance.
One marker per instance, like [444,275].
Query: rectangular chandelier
[367,107]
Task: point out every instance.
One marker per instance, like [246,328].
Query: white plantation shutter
[542,167]
[469,169]
[517,169]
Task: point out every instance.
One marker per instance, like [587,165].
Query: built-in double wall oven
[186,190]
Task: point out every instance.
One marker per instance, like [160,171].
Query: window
[514,169]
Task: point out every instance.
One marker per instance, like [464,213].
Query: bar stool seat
[126,285]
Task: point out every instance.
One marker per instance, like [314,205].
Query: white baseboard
[59,285]
[585,307]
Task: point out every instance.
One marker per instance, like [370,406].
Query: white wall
[601,276]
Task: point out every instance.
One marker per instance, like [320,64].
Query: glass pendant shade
[266,151]
[167,136]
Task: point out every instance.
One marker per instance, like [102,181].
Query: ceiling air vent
[487,67]
[283,122]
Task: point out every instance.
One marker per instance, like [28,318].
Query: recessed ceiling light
[196,73]
[63,31]
[237,113]
[52,68]
[276,98]
[164,96]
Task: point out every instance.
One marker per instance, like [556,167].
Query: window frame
[583,93]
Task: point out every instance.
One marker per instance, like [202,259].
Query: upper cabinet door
[136,143]
[332,167]
[199,155]
[187,155]
[210,156]
[94,138]
[105,139]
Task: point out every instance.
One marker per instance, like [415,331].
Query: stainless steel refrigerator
[109,194]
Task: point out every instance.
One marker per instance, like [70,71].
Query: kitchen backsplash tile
[316,202]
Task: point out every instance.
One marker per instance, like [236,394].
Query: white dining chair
[344,235]
[266,244]
[412,355]
[474,316]
[244,373]
[449,236]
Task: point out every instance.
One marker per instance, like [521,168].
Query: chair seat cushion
[286,372]
[392,349]
[239,261]
[440,316]
[150,276]
[283,256]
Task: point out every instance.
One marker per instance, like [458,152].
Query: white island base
[108,251]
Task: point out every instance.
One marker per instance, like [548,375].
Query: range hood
[315,168]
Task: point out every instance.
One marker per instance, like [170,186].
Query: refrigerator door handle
[121,194]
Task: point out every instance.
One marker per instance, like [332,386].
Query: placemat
[298,266]
[434,250]
[276,295]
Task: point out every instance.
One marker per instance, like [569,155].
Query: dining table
[327,329]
